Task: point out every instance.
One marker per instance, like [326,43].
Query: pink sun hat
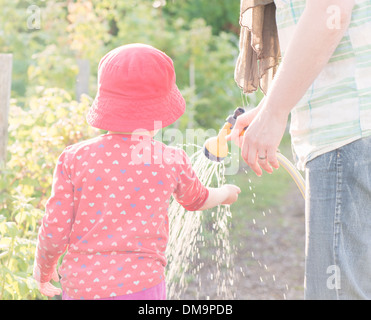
[136,90]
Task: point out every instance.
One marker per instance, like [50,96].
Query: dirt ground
[277,269]
[268,264]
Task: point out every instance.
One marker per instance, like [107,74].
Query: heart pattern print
[108,212]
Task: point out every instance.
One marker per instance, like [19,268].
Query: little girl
[110,194]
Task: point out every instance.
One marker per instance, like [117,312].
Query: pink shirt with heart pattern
[108,208]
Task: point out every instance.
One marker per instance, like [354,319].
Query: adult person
[324,81]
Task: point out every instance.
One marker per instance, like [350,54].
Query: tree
[221,15]
[196,35]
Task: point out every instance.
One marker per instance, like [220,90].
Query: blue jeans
[338,224]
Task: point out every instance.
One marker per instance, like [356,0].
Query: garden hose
[293,172]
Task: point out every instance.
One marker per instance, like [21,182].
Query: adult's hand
[260,142]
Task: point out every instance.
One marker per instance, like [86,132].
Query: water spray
[216,149]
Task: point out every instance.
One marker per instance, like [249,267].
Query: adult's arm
[314,41]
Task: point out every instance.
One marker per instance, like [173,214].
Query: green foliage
[196,35]
[18,232]
[221,15]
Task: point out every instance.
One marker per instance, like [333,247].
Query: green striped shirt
[336,110]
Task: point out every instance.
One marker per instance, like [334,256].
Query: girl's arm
[54,232]
[193,195]
[226,194]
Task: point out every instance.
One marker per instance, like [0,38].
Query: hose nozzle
[216,148]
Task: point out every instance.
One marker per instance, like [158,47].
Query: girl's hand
[231,192]
[47,289]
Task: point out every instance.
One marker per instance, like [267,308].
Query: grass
[258,196]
